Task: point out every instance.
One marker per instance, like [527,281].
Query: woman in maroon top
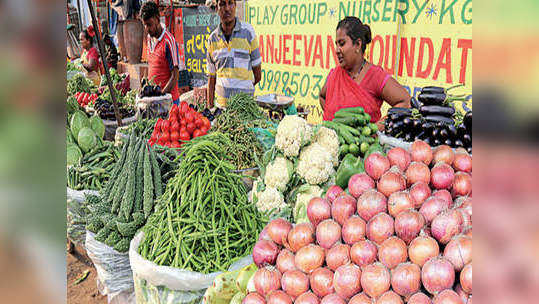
[356,82]
[90,56]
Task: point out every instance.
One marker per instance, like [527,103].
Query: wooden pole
[105,64]
[80,16]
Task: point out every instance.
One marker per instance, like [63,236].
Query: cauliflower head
[278,173]
[292,133]
[270,199]
[329,139]
[304,196]
[315,164]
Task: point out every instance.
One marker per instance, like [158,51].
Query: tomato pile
[183,124]
[84,98]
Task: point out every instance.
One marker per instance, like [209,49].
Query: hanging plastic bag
[77,211]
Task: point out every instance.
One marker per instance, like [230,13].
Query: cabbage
[98,126]
[69,137]
[79,120]
[73,154]
[87,139]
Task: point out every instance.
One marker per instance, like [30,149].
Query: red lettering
[286,48]
[279,49]
[380,40]
[271,47]
[262,49]
[308,50]
[424,73]
[295,51]
[318,53]
[465,44]
[408,55]
[394,51]
[331,50]
[445,53]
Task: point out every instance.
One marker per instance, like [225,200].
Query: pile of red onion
[402,235]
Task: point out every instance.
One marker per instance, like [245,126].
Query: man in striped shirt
[233,58]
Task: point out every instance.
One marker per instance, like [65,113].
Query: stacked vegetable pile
[79,83]
[128,198]
[94,169]
[121,82]
[82,136]
[104,108]
[403,234]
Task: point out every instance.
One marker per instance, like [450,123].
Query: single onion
[307,298]
[380,227]
[398,202]
[278,297]
[417,172]
[295,283]
[459,251]
[328,233]
[265,253]
[363,253]
[375,279]
[370,203]
[376,164]
[300,236]
[319,209]
[462,294]
[442,176]
[278,230]
[463,162]
[462,185]
[419,192]
[408,224]
[253,298]
[419,298]
[445,195]
[466,278]
[391,182]
[359,183]
[343,208]
[389,297]
[422,249]
[447,296]
[360,298]
[392,252]
[446,225]
[443,153]
[332,299]
[267,279]
[337,256]
[466,204]
[346,281]
[286,261]
[353,230]
[406,279]
[264,234]
[432,207]
[309,258]
[421,152]
[399,157]
[437,274]
[333,192]
[322,282]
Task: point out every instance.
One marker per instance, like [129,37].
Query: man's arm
[211,90]
[257,71]
[172,81]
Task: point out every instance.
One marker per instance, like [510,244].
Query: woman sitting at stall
[356,82]
[90,56]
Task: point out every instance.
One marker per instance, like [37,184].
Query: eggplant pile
[149,90]
[105,110]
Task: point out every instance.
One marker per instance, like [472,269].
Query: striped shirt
[232,62]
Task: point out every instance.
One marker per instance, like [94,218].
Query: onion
[462,294]
[392,252]
[253,298]
[309,258]
[343,208]
[278,230]
[443,153]
[466,278]
[422,249]
[380,227]
[408,224]
[419,192]
[318,210]
[398,202]
[447,296]
[432,207]
[363,253]
[406,279]
[421,152]
[333,192]
[459,251]
[467,231]
[353,230]
[278,297]
[399,157]
[419,298]
[360,298]
[417,172]
[265,253]
[445,195]
[376,164]
[442,176]
[286,261]
[337,256]
[392,181]
[437,274]
[446,225]
[332,299]
[307,298]
[267,279]
[328,233]
[462,185]
[370,203]
[322,282]
[300,236]
[295,283]
[463,162]
[347,281]
[264,234]
[389,297]
[375,279]
[359,183]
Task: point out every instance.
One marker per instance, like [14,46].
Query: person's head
[86,38]
[351,41]
[226,9]
[149,13]
[106,39]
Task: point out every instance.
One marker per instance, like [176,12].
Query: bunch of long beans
[244,106]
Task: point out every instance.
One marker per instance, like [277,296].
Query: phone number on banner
[291,83]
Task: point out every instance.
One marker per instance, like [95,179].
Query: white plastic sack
[393,141]
[156,284]
[76,215]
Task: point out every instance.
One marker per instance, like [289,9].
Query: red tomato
[184,108]
[206,122]
[175,126]
[165,126]
[174,110]
[189,117]
[172,118]
[184,136]
[197,133]
[175,144]
[204,130]
[165,136]
[158,125]
[191,127]
[174,136]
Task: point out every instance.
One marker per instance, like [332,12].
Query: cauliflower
[270,199]
[315,164]
[304,196]
[278,173]
[328,138]
[292,133]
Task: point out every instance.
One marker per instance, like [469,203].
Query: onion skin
[266,280]
[332,299]
[419,298]
[375,279]
[442,176]
[389,297]
[446,225]
[328,233]
[433,207]
[353,230]
[307,298]
[406,279]
[459,251]
[380,228]
[391,182]
[421,152]
[300,236]
[278,297]
[318,210]
[309,258]
[370,203]
[419,192]
[278,230]
[422,249]
[463,162]
[321,280]
[343,208]
[337,256]
[444,154]
[398,202]
[462,294]
[347,281]
[437,274]
[361,298]
[264,235]
[462,184]
[392,252]
[376,164]
[265,253]
[408,225]
[359,183]
[363,253]
[295,283]
[445,195]
[286,261]
[333,192]
[417,172]
[253,298]
[399,157]
[447,296]
[466,278]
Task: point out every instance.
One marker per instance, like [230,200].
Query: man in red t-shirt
[163,59]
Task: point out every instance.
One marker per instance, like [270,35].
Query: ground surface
[86,291]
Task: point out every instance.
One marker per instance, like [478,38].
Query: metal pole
[105,64]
